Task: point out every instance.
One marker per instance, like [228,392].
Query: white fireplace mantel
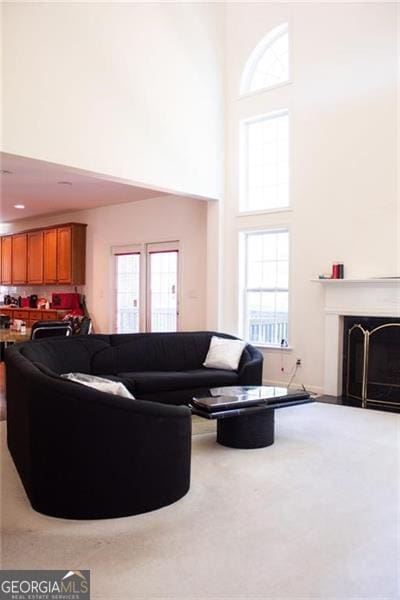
[378,297]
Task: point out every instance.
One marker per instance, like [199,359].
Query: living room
[137,120]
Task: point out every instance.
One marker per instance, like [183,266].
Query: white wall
[130,90]
[398,134]
[155,220]
[136,90]
[342,104]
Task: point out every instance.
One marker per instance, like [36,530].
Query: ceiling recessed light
[64,182]
[5,172]
[20,206]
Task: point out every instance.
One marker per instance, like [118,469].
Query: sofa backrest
[122,353]
[128,353]
[65,354]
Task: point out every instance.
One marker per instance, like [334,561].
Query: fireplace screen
[373,364]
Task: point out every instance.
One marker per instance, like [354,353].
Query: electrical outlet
[298,362]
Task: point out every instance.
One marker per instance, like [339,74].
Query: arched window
[268,64]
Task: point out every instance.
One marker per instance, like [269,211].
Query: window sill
[267,211]
[272,347]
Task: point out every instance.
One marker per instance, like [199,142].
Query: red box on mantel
[64,300]
[336,271]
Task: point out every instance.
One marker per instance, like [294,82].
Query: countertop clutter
[61,304]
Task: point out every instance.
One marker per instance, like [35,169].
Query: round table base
[247,431]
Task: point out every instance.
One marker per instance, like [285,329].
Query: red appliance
[64,301]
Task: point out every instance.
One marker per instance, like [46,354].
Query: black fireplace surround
[371,361]
[86,454]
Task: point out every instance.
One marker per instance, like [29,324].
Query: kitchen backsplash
[43,291]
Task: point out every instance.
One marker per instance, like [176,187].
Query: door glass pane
[127,300]
[163,291]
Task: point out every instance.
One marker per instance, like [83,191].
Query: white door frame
[144,250]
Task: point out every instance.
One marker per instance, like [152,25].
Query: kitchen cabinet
[6,247]
[53,255]
[35,257]
[71,250]
[53,315]
[50,256]
[19,258]
[64,254]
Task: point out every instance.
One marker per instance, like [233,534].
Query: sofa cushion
[224,354]
[129,382]
[102,384]
[161,381]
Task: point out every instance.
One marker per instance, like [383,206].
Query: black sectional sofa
[86,454]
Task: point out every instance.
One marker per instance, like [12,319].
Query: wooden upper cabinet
[56,255]
[6,248]
[71,254]
[19,258]
[50,256]
[64,255]
[35,257]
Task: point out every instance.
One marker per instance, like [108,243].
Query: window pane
[127,293]
[255,274]
[163,290]
[266,293]
[269,274]
[268,64]
[266,165]
[282,279]
[273,66]
[282,245]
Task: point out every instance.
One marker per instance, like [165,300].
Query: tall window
[265,162]
[264,186]
[265,290]
[268,64]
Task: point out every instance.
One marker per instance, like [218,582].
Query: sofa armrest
[250,368]
[85,454]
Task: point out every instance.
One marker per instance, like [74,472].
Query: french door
[127,292]
[146,287]
[162,287]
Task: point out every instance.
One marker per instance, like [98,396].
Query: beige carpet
[315,516]
[200,425]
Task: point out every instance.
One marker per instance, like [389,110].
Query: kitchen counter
[31,315]
[8,335]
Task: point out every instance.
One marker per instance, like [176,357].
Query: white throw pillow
[100,383]
[224,353]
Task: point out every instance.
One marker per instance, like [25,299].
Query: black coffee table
[246,414]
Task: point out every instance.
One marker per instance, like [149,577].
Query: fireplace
[371,361]
[357,299]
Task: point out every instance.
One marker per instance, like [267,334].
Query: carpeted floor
[315,516]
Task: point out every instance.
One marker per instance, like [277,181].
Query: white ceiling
[34,184]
